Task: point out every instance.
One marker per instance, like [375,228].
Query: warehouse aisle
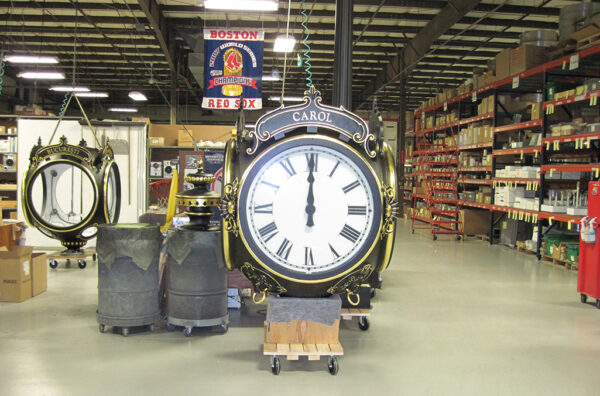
[453,318]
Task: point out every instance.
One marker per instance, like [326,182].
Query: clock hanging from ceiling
[69,190]
[309,200]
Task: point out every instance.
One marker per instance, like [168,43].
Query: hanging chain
[306,54]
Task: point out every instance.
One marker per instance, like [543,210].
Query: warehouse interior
[403,199]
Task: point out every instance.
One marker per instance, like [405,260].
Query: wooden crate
[301,332]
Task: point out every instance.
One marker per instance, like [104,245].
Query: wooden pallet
[349,313]
[562,263]
[588,41]
[524,250]
[85,253]
[294,351]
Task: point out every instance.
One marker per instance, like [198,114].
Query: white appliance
[168,167]
[156,169]
[9,162]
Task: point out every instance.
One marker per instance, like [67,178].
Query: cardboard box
[536,111]
[145,120]
[184,138]
[503,61]
[15,274]
[10,232]
[474,222]
[39,273]
[156,141]
[525,57]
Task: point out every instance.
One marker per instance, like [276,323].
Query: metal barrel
[128,257]
[574,17]
[196,279]
[540,37]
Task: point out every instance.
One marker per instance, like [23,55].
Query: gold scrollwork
[261,280]
[312,105]
[229,207]
[351,281]
[45,152]
[390,211]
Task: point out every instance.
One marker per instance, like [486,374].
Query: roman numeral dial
[310,209]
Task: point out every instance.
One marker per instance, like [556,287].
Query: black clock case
[236,252]
[95,163]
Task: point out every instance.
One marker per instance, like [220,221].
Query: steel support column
[173,108]
[400,143]
[342,62]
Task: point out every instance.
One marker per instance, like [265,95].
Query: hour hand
[310,199]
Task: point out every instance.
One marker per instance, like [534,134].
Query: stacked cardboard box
[22,275]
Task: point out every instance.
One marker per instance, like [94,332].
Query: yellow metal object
[171,206]
[349,296]
[264,296]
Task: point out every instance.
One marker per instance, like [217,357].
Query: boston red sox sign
[233,64]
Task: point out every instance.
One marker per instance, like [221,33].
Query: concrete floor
[453,318]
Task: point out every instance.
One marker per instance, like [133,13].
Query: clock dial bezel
[372,234]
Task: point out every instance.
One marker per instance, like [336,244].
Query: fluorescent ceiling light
[69,88]
[286,98]
[246,5]
[123,109]
[30,59]
[284,44]
[250,126]
[270,78]
[42,75]
[138,96]
[91,94]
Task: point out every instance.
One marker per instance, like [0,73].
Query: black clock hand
[310,199]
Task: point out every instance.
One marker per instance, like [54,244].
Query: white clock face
[311,208]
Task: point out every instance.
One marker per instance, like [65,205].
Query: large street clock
[309,203]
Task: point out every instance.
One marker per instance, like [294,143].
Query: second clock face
[311,207]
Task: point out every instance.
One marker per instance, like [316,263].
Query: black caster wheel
[412,231]
[598,303]
[81,263]
[435,237]
[222,329]
[333,365]
[53,264]
[125,331]
[94,257]
[102,328]
[458,238]
[583,298]
[363,323]
[372,292]
[151,328]
[187,332]
[170,327]
[275,365]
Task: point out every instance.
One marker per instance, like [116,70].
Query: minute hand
[310,199]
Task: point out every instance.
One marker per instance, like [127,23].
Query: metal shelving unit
[551,155]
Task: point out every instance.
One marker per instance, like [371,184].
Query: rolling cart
[312,351]
[68,255]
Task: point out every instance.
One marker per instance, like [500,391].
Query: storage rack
[572,67]
[8,173]
[436,165]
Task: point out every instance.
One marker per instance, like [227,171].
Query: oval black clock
[68,190]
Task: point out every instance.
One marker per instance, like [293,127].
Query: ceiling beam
[166,40]
[419,45]
[296,28]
